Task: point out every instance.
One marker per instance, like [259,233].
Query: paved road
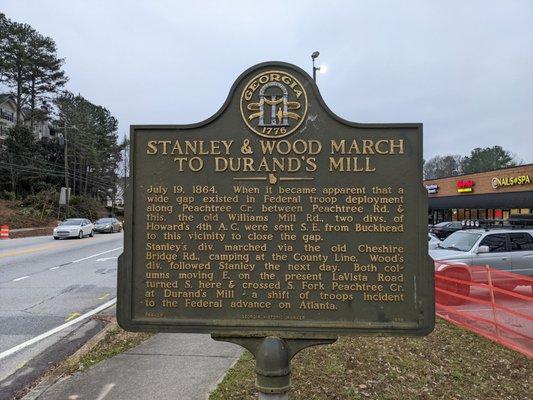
[44,283]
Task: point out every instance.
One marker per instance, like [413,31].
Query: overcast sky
[463,68]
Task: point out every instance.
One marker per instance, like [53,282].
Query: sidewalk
[166,366]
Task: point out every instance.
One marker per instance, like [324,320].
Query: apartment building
[8,117]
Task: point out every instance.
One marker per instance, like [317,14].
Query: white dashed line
[106,258]
[21,278]
[94,255]
[53,268]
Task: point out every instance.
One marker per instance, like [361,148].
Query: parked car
[433,241]
[109,225]
[508,250]
[74,227]
[445,229]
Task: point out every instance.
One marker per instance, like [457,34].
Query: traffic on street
[44,285]
[342,209]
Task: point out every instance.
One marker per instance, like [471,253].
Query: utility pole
[65,154]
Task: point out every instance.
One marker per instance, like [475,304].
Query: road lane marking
[45,247]
[57,329]
[71,262]
[95,255]
[30,250]
[104,296]
[72,315]
[106,258]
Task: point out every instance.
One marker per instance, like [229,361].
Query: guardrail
[492,303]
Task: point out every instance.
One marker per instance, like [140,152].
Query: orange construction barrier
[492,303]
[4,232]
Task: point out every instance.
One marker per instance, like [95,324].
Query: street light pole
[313,57]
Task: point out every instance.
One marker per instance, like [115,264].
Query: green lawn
[451,363]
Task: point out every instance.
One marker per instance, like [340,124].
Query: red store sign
[465,186]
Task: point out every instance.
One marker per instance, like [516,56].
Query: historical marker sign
[275,216]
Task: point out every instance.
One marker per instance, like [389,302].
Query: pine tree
[45,76]
[14,57]
[488,159]
[29,66]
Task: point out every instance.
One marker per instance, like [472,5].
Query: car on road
[444,229]
[509,250]
[74,227]
[433,241]
[109,225]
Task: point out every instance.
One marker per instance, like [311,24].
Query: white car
[74,227]
[433,241]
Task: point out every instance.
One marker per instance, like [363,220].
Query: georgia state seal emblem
[273,104]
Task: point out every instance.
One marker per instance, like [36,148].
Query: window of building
[7,115]
[496,243]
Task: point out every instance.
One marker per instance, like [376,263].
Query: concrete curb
[219,381]
[30,232]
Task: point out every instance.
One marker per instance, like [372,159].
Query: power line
[61,173]
[40,171]
[51,164]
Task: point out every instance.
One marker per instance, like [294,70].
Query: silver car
[74,227]
[508,250]
[109,225]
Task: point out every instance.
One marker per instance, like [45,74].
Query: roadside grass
[109,342]
[451,363]
[115,341]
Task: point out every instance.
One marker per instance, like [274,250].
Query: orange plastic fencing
[492,303]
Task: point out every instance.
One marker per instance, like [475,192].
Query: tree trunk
[18,106]
[32,104]
[12,174]
[86,179]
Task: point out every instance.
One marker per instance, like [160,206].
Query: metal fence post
[493,303]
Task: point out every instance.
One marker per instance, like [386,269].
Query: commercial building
[485,195]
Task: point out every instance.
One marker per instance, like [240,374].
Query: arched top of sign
[311,95]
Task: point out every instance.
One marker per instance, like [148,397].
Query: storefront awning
[492,200]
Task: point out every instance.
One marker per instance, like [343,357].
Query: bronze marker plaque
[276,216]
